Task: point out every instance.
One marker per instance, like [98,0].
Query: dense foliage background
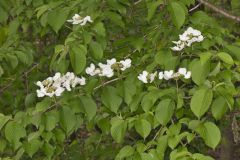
[118,117]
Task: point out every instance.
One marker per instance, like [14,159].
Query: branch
[220,10]
[105,83]
[198,5]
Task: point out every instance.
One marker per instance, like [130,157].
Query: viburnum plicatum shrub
[115,79]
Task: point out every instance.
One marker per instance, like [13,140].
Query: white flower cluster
[56,85]
[187,38]
[146,77]
[77,19]
[107,70]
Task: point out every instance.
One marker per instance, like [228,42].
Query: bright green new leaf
[201,101]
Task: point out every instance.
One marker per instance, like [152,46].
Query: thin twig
[195,7]
[219,10]
[105,83]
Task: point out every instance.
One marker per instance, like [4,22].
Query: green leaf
[143,127]
[90,106]
[152,7]
[162,144]
[104,125]
[3,144]
[67,119]
[234,51]
[210,134]
[12,60]
[3,120]
[43,105]
[13,133]
[50,120]
[111,99]
[99,29]
[164,111]
[149,100]
[149,156]
[118,129]
[115,18]
[125,152]
[205,57]
[57,18]
[48,149]
[219,107]
[78,57]
[177,13]
[1,71]
[96,50]
[129,91]
[136,102]
[200,72]
[201,101]
[225,58]
[116,5]
[199,156]
[32,146]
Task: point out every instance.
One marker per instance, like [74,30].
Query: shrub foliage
[116,117]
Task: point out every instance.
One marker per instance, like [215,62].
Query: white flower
[187,75]
[125,64]
[106,70]
[81,81]
[92,71]
[146,77]
[56,85]
[85,20]
[160,75]
[111,61]
[187,38]
[152,77]
[179,45]
[40,93]
[182,71]
[56,76]
[168,74]
[143,77]
[77,19]
[59,91]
